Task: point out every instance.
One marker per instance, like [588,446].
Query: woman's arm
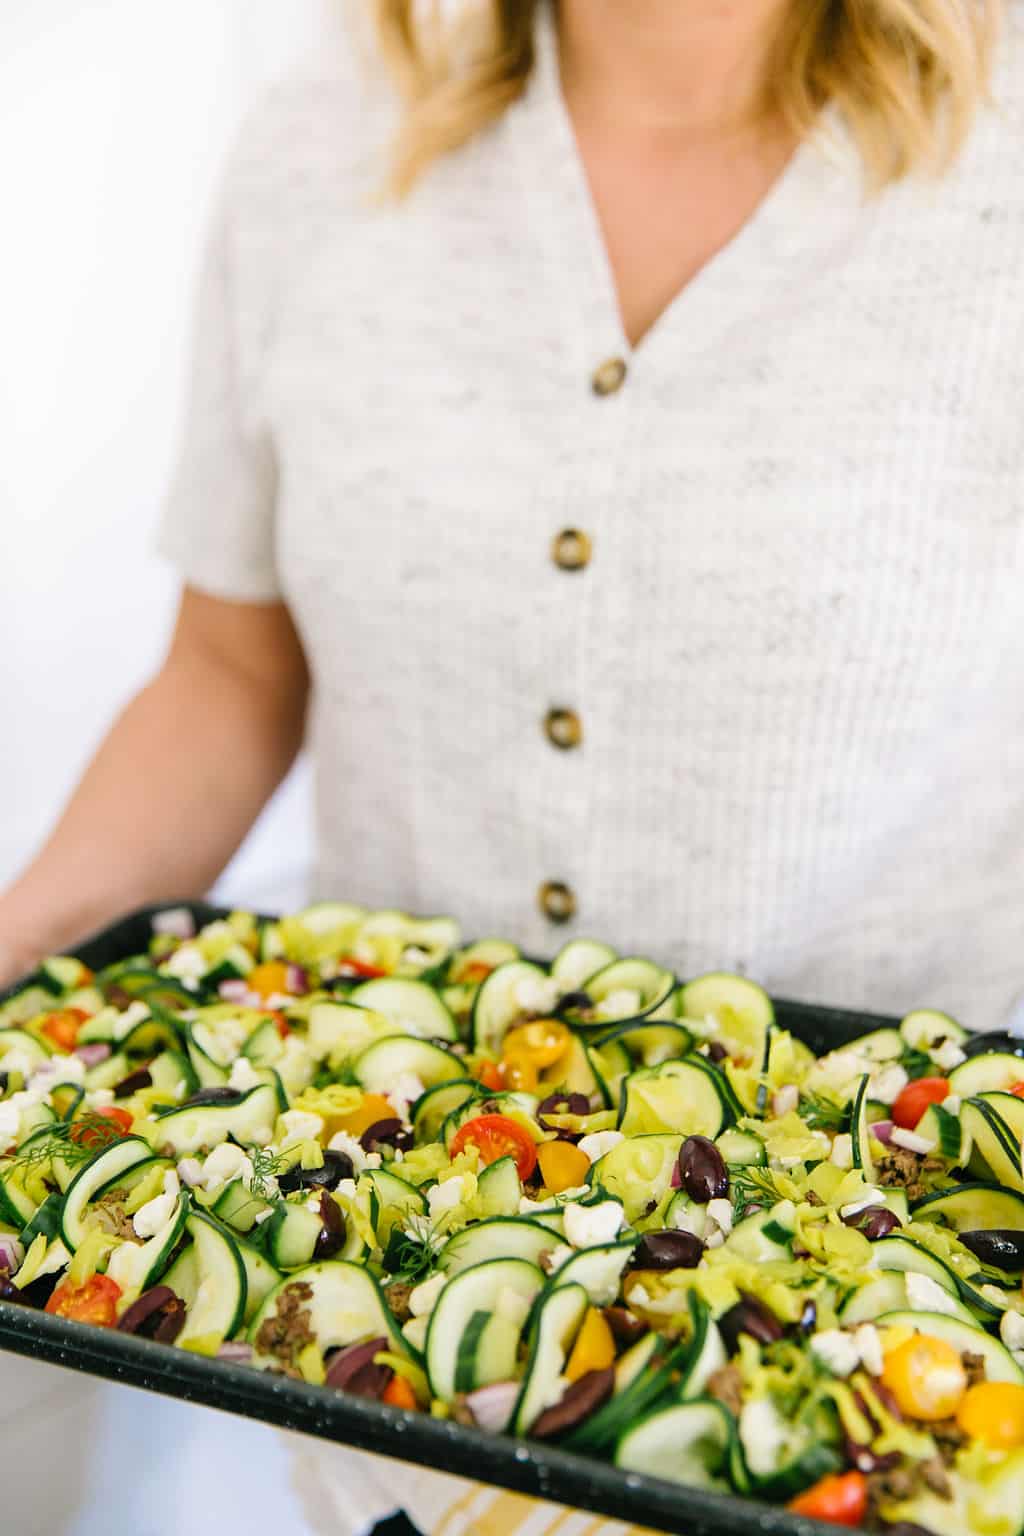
[176,784]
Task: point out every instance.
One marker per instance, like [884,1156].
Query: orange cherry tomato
[926,1377]
[993,1412]
[1018,1090]
[371,1108]
[284,1029]
[490,1075]
[496,1136]
[86,1133]
[519,1074]
[95,1301]
[360,968]
[61,1028]
[916,1097]
[562,1165]
[399,1393]
[594,1349]
[269,979]
[840,1499]
[475,971]
[542,1041]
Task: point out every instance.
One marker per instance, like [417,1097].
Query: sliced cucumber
[637,1171]
[937,1125]
[392,1202]
[345,1305]
[17,1207]
[98,1173]
[339,1032]
[411,1006]
[378,1068]
[432,1108]
[15,1042]
[648,1043]
[260,1276]
[598,1270]
[249,1121]
[172,1075]
[574,1073]
[497,1007]
[558,1320]
[888,1294]
[995,1071]
[237,1207]
[500,1237]
[925,1028]
[706,1353]
[209,1073]
[216,1307]
[629,989]
[485,955]
[740,1012]
[499,1188]
[140,1266]
[291,1235]
[973,1207]
[688,1444]
[742,1149]
[860,1130]
[995,1151]
[677,1096]
[970,1336]
[578,960]
[472,1340]
[902,1253]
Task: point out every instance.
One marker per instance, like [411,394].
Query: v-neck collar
[813,197]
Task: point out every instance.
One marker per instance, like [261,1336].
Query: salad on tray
[583,1203]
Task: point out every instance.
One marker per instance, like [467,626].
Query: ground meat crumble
[288,1330]
[903,1169]
[726,1385]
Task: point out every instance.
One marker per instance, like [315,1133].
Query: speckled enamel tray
[525,1466]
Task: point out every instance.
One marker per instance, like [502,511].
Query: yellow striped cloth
[344,1493]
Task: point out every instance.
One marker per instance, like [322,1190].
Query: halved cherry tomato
[562,1165]
[840,1499]
[519,1074]
[268,979]
[1018,1090]
[542,1041]
[284,1029]
[993,1411]
[360,968]
[399,1393]
[62,1027]
[926,1377]
[490,1074]
[594,1349]
[86,1133]
[497,1136]
[95,1301]
[916,1097]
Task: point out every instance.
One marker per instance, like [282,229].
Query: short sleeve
[217,524]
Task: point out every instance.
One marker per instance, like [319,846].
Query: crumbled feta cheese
[297,1125]
[842,1151]
[689,1218]
[187,963]
[341,1141]
[528,1206]
[126,1022]
[623,1004]
[537,994]
[261,1135]
[764,1433]
[588,1225]
[99,1098]
[599,1142]
[926,1295]
[1011,1331]
[15,1060]
[156,1213]
[639,1296]
[412,954]
[871,1196]
[715,1238]
[415,1332]
[190,1171]
[405,1090]
[785,1099]
[264,1215]
[373,1159]
[10,1119]
[223,1164]
[59,1069]
[869,1348]
[243,1075]
[720,1212]
[128,1265]
[887,1085]
[951,1104]
[948,1056]
[510,1305]
[423,1299]
[445,1196]
[911,1141]
[836,1350]
[347,1188]
[555,1257]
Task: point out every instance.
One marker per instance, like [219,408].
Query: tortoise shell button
[609,376]
[571,549]
[563,728]
[557,901]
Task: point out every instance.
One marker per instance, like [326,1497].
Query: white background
[114,117]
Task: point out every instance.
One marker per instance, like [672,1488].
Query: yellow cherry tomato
[562,1165]
[519,1073]
[993,1411]
[542,1041]
[269,979]
[926,1377]
[594,1349]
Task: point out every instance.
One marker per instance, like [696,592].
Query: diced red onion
[882,1130]
[11,1253]
[785,1099]
[296,979]
[234,990]
[176,922]
[236,1352]
[93,1053]
[492,1406]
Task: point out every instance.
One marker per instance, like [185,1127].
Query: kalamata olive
[866,1460]
[668,1250]
[874,1221]
[808,1317]
[347,1362]
[702,1170]
[133,1319]
[626,1328]
[332,1237]
[132,1083]
[993,1040]
[749,1316]
[387,1133]
[717,1052]
[562,1104]
[172,1321]
[370,1381]
[574,1002]
[118,995]
[4,1080]
[213,1096]
[336,1166]
[579,1402]
[9,1291]
[997,1246]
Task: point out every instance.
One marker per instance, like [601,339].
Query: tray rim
[523,1466]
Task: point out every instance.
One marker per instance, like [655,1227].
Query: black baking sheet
[522,1465]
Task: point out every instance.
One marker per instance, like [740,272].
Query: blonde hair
[907,75]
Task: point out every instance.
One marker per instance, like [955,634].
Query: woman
[637,493]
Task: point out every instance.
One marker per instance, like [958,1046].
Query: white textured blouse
[794,657]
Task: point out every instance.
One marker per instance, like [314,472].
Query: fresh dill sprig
[266,1165]
[408,1260]
[73,1141]
[750,1185]
[820,1113]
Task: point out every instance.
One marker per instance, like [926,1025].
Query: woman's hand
[177,783]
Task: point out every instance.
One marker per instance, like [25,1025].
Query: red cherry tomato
[841,1500]
[86,1133]
[95,1301]
[284,1029]
[61,1028]
[497,1136]
[360,968]
[916,1097]
[490,1074]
